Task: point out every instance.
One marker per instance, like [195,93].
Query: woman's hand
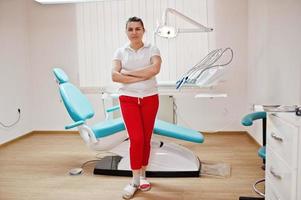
[125,72]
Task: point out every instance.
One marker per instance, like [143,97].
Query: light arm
[148,71]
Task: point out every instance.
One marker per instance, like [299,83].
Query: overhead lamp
[165,31]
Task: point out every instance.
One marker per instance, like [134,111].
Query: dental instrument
[204,72]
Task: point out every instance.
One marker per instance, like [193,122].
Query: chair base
[166,160]
[257,191]
[255,188]
[251,198]
[109,166]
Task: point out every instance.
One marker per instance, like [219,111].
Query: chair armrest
[249,118]
[75,124]
[112,109]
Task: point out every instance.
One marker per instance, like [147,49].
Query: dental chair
[166,159]
[248,121]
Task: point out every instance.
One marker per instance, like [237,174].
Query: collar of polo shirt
[128,46]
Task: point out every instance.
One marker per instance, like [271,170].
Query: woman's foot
[129,191]
[144,184]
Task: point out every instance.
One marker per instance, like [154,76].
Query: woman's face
[135,31]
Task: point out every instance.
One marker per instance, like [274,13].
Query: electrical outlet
[251,107]
[225,112]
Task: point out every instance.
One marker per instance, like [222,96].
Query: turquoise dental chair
[248,121]
[166,159]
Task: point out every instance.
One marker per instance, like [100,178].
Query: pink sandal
[144,185]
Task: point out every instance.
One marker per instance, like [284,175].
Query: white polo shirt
[133,60]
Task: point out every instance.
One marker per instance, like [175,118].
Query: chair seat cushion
[108,127]
[175,131]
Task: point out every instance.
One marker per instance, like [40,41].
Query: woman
[135,65]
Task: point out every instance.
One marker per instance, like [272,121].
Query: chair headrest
[76,103]
[60,75]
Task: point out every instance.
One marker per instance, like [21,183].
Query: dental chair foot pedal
[109,166]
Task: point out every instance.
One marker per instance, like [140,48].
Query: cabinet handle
[276,137]
[275,174]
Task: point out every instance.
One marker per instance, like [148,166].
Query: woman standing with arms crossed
[135,65]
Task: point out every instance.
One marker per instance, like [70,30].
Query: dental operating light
[165,31]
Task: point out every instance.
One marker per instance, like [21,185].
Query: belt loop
[138,100]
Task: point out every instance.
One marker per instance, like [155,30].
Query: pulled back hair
[134,19]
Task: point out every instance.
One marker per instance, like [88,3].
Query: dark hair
[134,19]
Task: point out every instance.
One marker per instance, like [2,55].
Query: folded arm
[119,77]
[146,72]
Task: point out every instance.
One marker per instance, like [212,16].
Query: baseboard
[225,132]
[76,132]
[16,139]
[54,132]
[252,138]
[234,133]
[36,132]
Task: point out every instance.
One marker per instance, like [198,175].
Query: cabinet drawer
[270,193]
[280,177]
[282,138]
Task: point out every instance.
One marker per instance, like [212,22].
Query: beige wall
[264,35]
[52,42]
[274,51]
[15,84]
[229,20]
[274,61]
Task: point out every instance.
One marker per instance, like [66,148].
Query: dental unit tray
[279,108]
[207,71]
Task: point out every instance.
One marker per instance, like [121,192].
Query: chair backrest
[77,104]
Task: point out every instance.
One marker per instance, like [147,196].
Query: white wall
[274,51]
[101,30]
[52,42]
[229,20]
[274,61]
[265,37]
[15,76]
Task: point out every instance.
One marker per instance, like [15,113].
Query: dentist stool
[248,121]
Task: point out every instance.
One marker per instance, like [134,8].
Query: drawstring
[139,100]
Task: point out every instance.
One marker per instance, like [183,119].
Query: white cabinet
[299,177]
[283,157]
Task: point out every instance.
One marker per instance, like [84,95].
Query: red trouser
[139,117]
